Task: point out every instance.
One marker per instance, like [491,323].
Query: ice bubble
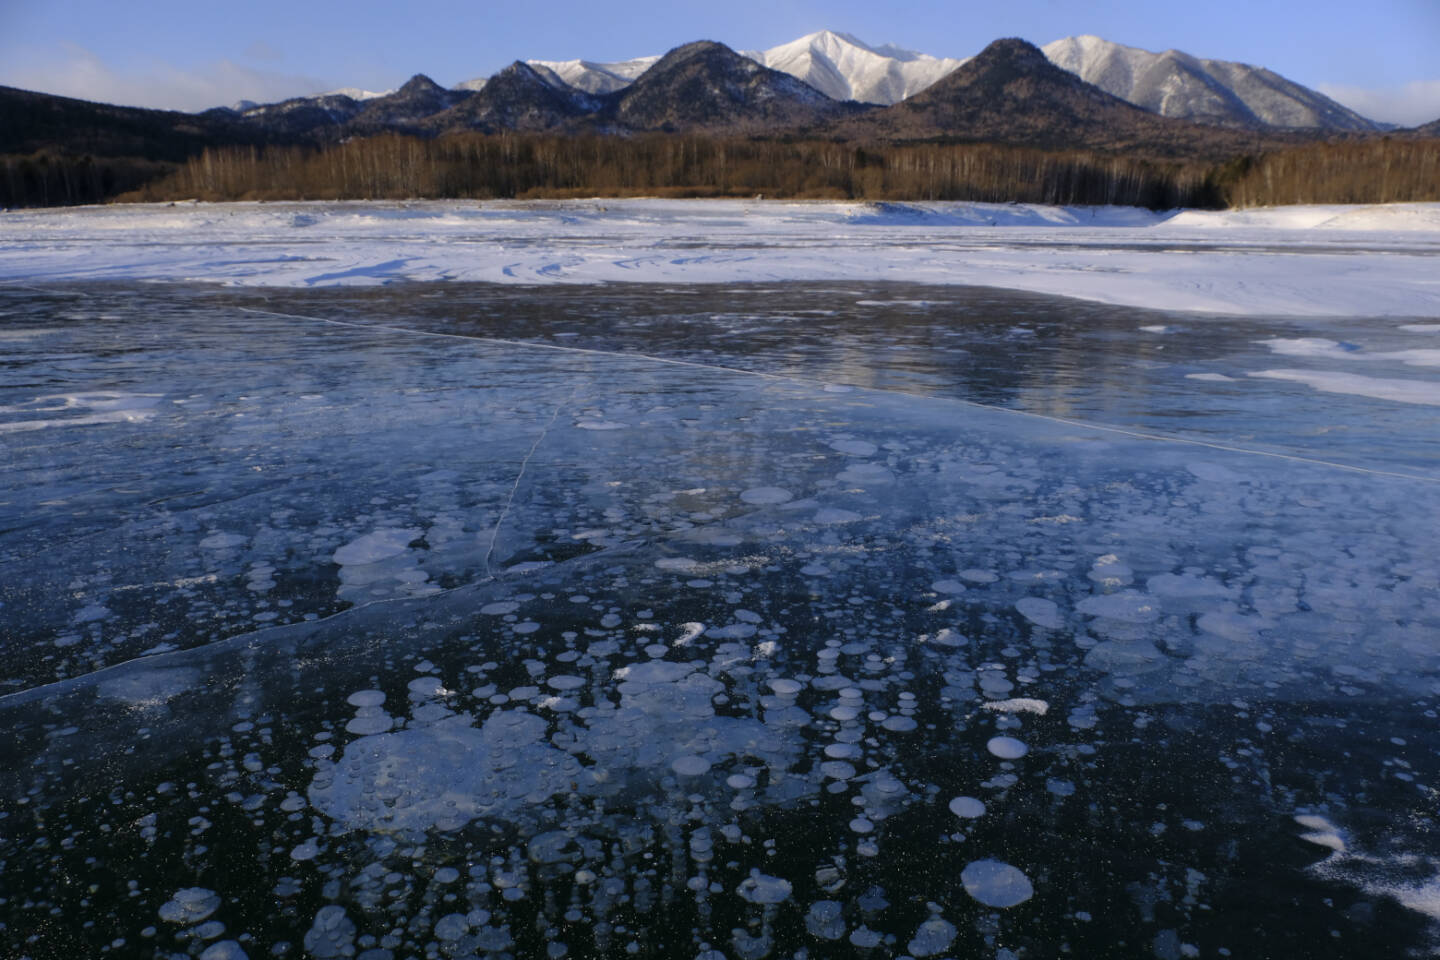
[690,765]
[855,448]
[452,927]
[601,425]
[377,546]
[1039,611]
[305,851]
[974,575]
[996,884]
[190,905]
[785,687]
[1128,606]
[825,920]
[967,807]
[948,586]
[866,474]
[861,825]
[222,541]
[899,724]
[837,769]
[369,724]
[224,950]
[865,938]
[679,564]
[447,875]
[740,781]
[761,888]
[766,496]
[827,515]
[331,935]
[1007,748]
[654,671]
[565,682]
[934,936]
[500,608]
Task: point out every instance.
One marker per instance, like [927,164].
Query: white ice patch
[1424,392]
[376,546]
[601,425]
[1210,377]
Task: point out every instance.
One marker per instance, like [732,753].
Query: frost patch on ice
[1019,705]
[150,687]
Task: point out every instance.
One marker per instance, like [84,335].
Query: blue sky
[1381,57]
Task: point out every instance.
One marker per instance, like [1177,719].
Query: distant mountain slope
[845,68]
[592,77]
[1010,93]
[32,121]
[706,86]
[321,117]
[518,98]
[407,107]
[1176,84]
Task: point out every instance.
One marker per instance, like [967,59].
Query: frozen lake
[804,618]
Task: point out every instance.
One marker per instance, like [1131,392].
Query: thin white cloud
[1410,105]
[74,71]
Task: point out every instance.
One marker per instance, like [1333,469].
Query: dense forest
[391,166]
[529,166]
[515,165]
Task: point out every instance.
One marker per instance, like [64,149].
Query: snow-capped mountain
[1176,84]
[837,64]
[592,77]
[845,68]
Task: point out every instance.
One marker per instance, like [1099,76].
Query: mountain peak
[1011,52]
[420,84]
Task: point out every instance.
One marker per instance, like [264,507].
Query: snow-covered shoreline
[1289,261]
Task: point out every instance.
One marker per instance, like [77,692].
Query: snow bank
[1319,260]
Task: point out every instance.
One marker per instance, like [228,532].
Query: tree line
[479,166]
[476,166]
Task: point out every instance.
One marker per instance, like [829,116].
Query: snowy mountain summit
[845,68]
[1176,84]
[837,64]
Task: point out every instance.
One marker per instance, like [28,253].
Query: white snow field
[1293,261]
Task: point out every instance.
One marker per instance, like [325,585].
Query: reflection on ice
[773,666]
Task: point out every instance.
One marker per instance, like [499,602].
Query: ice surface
[1321,260]
[671,715]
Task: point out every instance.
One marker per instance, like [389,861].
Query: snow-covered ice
[1318,260]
